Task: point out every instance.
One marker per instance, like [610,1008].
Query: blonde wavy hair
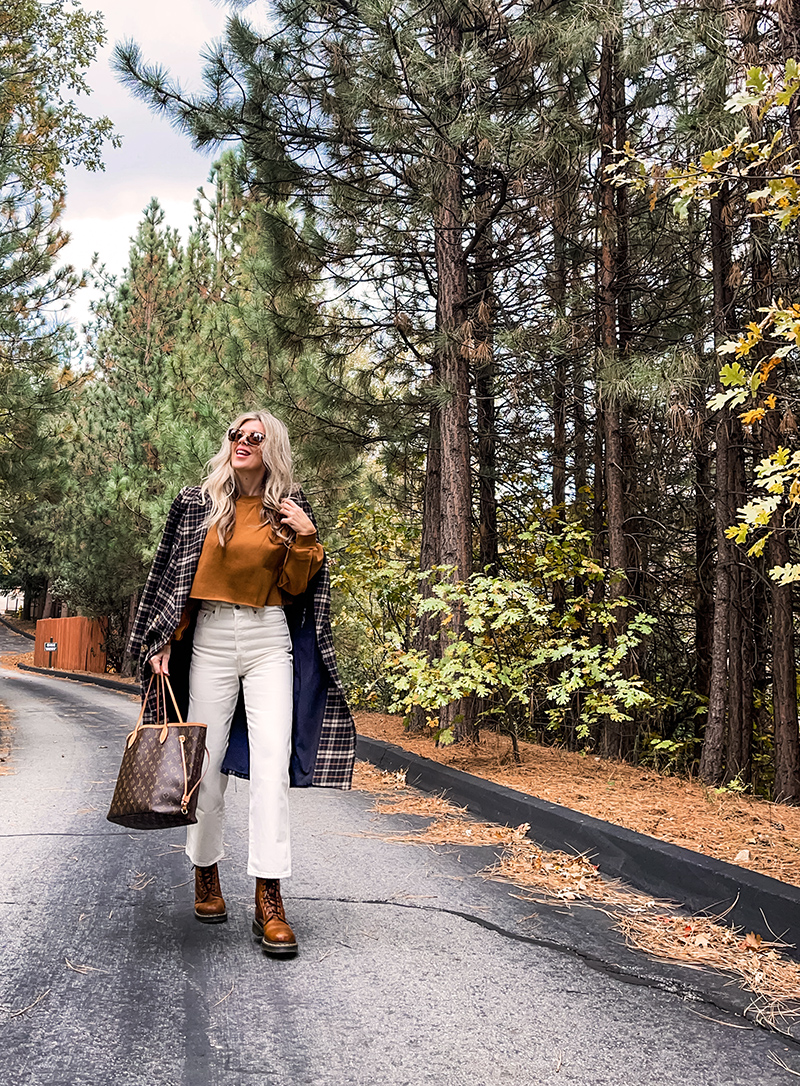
[220,482]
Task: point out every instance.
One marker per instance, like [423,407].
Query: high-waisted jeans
[234,642]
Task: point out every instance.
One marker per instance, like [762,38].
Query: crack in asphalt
[601,965]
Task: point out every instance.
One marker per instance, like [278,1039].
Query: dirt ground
[753,833]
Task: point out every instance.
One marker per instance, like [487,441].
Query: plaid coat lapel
[164,599]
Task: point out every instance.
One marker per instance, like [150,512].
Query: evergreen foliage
[45,49]
[500,366]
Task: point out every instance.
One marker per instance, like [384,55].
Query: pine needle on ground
[755,833]
[755,962]
[12,660]
[655,927]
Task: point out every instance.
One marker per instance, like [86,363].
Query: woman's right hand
[159,664]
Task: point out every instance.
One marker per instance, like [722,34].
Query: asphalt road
[412,971]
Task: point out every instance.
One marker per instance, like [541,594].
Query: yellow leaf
[770,401]
[749,417]
[768,366]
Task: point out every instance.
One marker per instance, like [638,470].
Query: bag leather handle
[137,727]
[161,708]
[165,682]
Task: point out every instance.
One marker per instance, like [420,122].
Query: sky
[104,208]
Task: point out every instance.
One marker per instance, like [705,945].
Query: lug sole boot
[209,904]
[269,925]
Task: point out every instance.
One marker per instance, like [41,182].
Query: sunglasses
[235,436]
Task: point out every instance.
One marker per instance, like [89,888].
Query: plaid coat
[324,738]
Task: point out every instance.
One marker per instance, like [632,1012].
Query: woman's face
[246,457]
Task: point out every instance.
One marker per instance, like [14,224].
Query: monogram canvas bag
[162,766]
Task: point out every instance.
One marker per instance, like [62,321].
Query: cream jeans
[234,642]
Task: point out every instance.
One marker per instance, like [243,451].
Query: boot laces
[207,877]
[272,901]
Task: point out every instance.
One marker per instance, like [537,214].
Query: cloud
[109,237]
[103,209]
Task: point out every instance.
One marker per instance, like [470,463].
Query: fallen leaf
[742,856]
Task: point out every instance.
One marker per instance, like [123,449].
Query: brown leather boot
[277,938]
[209,904]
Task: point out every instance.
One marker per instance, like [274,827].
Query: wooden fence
[81,643]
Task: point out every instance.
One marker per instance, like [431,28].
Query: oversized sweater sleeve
[154,577]
[304,558]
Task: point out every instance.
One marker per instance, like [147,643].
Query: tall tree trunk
[712,758]
[704,556]
[558,298]
[425,640]
[49,602]
[740,723]
[788,12]
[614,482]
[485,409]
[580,430]
[617,741]
[430,544]
[451,314]
[703,507]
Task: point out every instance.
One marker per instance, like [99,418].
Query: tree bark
[740,634]
[614,481]
[618,736]
[558,297]
[485,408]
[430,544]
[712,757]
[451,314]
[704,558]
[788,12]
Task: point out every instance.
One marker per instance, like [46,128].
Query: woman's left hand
[294,517]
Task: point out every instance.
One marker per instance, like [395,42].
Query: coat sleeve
[160,561]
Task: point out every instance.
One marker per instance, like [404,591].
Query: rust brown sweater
[255,566]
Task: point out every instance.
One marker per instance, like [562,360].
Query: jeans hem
[210,862]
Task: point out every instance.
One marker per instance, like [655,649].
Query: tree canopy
[485,260]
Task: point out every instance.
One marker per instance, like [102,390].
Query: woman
[239,585]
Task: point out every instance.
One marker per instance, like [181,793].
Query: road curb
[701,883]
[95,680]
[22,633]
